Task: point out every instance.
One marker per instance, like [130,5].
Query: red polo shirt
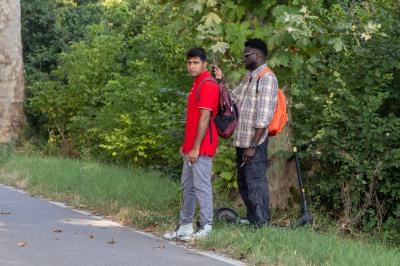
[208,99]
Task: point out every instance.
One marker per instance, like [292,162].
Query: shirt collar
[257,71]
[204,74]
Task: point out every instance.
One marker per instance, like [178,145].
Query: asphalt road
[34,231]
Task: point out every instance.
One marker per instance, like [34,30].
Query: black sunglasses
[248,54]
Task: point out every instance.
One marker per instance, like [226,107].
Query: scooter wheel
[226,215]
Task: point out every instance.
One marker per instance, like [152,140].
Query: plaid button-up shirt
[255,109]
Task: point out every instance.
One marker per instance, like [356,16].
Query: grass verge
[131,196]
[151,202]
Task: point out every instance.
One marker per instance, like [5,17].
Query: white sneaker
[244,221]
[184,231]
[203,232]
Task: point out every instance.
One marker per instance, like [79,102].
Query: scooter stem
[304,208]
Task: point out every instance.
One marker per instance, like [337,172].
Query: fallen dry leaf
[91,236]
[160,247]
[149,229]
[57,230]
[67,220]
[56,238]
[22,244]
[5,212]
[111,242]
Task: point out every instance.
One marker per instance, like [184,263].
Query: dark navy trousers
[253,184]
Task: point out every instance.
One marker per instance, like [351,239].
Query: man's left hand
[248,154]
[193,155]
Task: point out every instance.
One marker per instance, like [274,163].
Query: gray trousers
[196,185]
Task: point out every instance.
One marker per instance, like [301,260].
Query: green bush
[224,167]
[344,96]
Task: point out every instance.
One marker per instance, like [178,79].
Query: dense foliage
[107,79]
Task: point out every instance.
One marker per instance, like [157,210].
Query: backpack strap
[198,98]
[201,84]
[262,73]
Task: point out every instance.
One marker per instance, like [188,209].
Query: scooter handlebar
[304,146]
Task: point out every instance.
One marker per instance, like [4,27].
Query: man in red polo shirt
[198,149]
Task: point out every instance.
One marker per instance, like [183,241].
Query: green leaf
[226,175]
[220,47]
[211,19]
[296,62]
[236,34]
[337,43]
[211,3]
[197,7]
[240,12]
[279,59]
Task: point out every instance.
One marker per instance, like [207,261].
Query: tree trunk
[282,174]
[11,71]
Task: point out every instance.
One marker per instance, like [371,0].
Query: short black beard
[251,66]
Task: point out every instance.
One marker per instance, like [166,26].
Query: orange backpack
[280,117]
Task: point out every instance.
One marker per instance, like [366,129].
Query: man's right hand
[248,155]
[181,151]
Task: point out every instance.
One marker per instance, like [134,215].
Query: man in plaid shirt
[256,100]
